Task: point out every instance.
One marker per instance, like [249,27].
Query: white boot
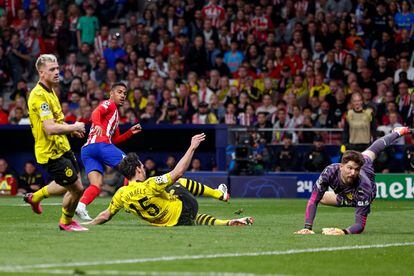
[81,212]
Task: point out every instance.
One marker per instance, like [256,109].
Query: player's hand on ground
[402,130]
[197,139]
[98,130]
[79,126]
[304,231]
[332,231]
[136,129]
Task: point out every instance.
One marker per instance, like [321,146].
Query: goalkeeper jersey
[149,200]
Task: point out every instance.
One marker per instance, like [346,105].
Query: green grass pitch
[32,244]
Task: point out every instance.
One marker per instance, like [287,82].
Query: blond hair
[41,60]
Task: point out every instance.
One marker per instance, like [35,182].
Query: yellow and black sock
[66,217]
[203,219]
[39,195]
[198,189]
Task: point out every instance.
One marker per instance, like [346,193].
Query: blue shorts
[95,156]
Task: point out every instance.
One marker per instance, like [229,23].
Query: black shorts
[64,170]
[190,204]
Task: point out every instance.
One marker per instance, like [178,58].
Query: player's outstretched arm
[53,128]
[383,142]
[102,218]
[183,164]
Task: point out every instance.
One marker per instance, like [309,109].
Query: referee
[52,147]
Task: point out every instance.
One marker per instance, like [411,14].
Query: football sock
[90,194]
[40,194]
[66,217]
[203,219]
[383,142]
[198,189]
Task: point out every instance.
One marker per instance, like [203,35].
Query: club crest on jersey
[68,172]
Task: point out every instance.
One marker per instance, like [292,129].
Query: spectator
[88,26]
[403,99]
[31,180]
[404,20]
[286,158]
[266,106]
[230,117]
[151,167]
[196,59]
[149,115]
[4,115]
[170,163]
[283,121]
[221,66]
[170,115]
[233,58]
[18,57]
[204,115]
[262,122]
[113,53]
[404,67]
[359,125]
[317,159]
[393,123]
[215,13]
[325,118]
[8,180]
[195,165]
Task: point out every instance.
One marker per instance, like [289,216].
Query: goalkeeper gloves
[333,231]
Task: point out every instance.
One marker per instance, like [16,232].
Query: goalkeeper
[353,185]
[166,200]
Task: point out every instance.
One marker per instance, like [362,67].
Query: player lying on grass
[161,200]
[353,184]
[99,149]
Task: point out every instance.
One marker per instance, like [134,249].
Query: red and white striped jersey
[101,43]
[261,25]
[215,13]
[106,116]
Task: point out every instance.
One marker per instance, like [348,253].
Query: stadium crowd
[289,63]
[265,63]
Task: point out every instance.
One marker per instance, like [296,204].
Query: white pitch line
[211,256]
[138,273]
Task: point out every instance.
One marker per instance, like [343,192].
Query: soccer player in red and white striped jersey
[99,149]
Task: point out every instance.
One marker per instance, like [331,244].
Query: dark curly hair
[129,164]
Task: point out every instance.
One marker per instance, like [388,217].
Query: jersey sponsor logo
[161,179]
[362,203]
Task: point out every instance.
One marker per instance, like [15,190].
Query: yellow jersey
[320,90]
[149,200]
[43,105]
